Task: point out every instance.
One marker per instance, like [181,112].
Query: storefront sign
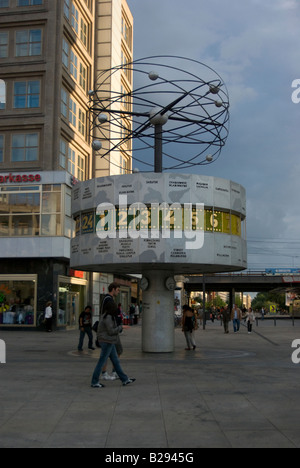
[19,178]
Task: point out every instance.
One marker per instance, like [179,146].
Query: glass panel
[51,225]
[51,202]
[24,225]
[24,203]
[4,226]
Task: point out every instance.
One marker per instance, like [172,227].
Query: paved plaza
[235,390]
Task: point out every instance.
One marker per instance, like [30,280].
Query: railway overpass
[242,282]
[250,281]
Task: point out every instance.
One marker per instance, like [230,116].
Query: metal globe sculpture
[179,107]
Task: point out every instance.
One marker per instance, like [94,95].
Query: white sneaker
[106,376]
[115,375]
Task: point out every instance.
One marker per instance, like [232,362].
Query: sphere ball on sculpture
[96,145]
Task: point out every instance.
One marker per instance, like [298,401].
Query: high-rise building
[50,55]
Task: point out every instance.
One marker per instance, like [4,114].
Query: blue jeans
[236,325]
[88,331]
[108,350]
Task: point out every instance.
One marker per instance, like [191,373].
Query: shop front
[18,297]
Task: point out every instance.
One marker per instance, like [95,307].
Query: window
[64,103]
[84,32]
[73,65]
[75,161]
[126,29]
[82,76]
[2,95]
[33,211]
[63,153]
[72,112]
[27,94]
[1,148]
[29,2]
[81,168]
[4,3]
[81,122]
[3,44]
[74,18]
[72,162]
[125,61]
[67,8]
[65,53]
[28,43]
[25,147]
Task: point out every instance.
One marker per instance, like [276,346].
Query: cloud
[253,45]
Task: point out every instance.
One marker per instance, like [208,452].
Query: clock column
[158,334]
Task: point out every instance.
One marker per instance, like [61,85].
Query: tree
[267,298]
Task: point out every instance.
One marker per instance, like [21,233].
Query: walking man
[236,317]
[85,326]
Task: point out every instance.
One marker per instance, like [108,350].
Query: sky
[254,46]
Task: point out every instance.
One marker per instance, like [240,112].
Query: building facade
[48,65]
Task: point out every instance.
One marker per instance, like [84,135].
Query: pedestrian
[236,317]
[250,319]
[85,327]
[48,317]
[108,333]
[113,293]
[225,315]
[189,325]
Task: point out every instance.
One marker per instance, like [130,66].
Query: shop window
[31,213]
[18,300]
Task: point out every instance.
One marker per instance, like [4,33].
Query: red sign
[76,273]
[19,178]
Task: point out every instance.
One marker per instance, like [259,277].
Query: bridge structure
[248,281]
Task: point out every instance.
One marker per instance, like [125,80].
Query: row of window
[20,3]
[74,65]
[71,160]
[24,147]
[27,95]
[78,23]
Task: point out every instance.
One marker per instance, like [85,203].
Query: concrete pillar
[158,334]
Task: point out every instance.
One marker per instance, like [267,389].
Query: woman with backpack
[108,333]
